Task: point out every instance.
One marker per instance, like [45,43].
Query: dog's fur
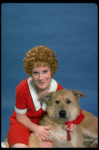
[86,134]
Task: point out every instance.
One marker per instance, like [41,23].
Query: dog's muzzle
[62,113]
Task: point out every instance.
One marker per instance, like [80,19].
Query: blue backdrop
[70,29]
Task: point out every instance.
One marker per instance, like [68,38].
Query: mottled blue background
[70,29]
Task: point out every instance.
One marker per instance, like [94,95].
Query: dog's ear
[78,94]
[45,98]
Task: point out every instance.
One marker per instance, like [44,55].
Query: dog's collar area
[76,121]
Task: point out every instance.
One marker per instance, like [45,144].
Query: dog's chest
[58,134]
[59,137]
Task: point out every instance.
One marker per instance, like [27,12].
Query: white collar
[34,95]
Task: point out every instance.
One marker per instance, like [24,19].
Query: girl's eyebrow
[35,71]
[45,69]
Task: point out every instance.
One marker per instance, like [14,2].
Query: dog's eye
[68,101]
[57,102]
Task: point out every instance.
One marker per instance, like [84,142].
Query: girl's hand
[72,128]
[41,132]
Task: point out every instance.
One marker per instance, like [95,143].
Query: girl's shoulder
[22,85]
[59,87]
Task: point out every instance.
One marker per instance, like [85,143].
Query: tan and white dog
[62,107]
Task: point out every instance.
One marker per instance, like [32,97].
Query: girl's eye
[45,71]
[35,73]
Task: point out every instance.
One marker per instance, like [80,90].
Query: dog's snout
[62,113]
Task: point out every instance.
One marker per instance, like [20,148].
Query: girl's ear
[78,94]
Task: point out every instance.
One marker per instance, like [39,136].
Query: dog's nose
[62,113]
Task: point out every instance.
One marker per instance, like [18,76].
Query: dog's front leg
[34,141]
[94,144]
[90,143]
[89,128]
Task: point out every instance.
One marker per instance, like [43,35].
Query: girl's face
[41,77]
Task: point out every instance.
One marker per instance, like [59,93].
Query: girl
[40,64]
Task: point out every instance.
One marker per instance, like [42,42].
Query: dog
[63,107]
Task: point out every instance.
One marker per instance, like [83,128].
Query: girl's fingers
[43,138]
[47,133]
[73,128]
[47,128]
[40,138]
[65,127]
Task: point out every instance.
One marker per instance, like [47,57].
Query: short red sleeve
[21,95]
[59,87]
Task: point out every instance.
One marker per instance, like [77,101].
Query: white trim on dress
[20,111]
[34,95]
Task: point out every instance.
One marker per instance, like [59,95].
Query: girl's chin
[42,87]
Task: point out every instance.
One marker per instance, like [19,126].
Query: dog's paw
[94,144]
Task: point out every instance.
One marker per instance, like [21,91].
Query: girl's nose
[40,76]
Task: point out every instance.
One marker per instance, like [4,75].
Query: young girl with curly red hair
[40,64]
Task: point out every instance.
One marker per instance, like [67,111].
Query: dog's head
[62,105]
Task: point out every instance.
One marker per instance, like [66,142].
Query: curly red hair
[40,54]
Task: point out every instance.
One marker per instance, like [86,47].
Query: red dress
[27,102]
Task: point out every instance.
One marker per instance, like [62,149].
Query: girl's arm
[40,131]
[25,121]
